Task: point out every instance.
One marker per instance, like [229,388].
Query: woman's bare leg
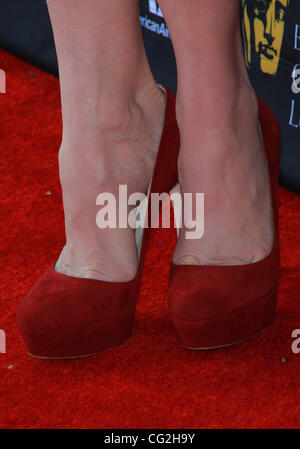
[112,121]
[221,150]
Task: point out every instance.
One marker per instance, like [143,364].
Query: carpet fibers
[150,382]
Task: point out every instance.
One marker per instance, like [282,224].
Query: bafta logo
[263,24]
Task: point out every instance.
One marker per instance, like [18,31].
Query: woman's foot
[120,149]
[225,160]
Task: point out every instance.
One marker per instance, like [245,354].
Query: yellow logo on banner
[263,24]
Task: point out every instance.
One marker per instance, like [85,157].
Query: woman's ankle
[230,109]
[111,107]
[97,160]
[226,161]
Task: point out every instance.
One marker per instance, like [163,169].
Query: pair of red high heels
[211,306]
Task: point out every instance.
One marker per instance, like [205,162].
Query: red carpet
[150,382]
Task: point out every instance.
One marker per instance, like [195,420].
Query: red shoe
[64,316]
[217,306]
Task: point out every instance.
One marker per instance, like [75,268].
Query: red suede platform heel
[64,316]
[217,306]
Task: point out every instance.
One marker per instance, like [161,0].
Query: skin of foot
[228,165]
[221,151]
[120,149]
[111,135]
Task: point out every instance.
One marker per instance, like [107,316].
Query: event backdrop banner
[271,42]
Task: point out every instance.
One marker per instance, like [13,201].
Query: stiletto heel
[66,317]
[217,306]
